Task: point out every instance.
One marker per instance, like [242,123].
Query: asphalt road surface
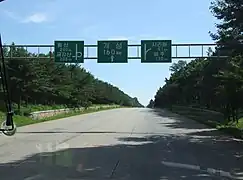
[123,144]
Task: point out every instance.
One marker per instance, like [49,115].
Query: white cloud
[33,18]
[11,15]
[36,18]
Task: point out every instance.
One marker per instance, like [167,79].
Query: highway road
[123,144]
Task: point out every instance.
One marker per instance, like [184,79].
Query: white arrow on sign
[77,54]
[112,58]
[146,51]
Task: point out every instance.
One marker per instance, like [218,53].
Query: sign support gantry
[117,51]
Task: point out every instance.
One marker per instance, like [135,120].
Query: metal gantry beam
[175,53]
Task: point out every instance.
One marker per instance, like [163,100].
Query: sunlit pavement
[129,144]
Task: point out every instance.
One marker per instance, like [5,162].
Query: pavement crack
[118,161]
[114,168]
[132,131]
[67,139]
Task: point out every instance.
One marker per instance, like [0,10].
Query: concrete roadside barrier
[49,113]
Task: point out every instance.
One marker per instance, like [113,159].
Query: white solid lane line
[33,177]
[179,165]
[198,168]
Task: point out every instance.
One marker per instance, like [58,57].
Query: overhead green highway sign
[69,51]
[155,51]
[112,51]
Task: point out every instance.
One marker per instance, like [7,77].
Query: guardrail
[48,113]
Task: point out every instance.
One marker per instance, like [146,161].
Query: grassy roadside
[25,110]
[232,128]
[211,119]
[24,120]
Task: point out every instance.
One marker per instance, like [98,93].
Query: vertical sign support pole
[9,119]
[202,50]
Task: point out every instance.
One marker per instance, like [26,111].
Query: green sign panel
[112,51]
[69,51]
[153,51]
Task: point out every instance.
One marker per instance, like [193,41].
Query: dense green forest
[212,83]
[42,81]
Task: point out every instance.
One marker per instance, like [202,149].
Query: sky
[43,22]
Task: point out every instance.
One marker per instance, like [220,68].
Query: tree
[211,83]
[151,104]
[34,81]
[229,34]
[175,67]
